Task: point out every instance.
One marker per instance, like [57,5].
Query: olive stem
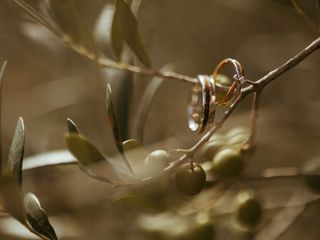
[254,119]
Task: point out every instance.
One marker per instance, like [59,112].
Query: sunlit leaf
[130,32]
[83,150]
[37,218]
[66,13]
[16,151]
[113,122]
[47,159]
[11,196]
[72,127]
[89,157]
[38,17]
[116,37]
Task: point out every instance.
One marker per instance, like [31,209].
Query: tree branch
[291,63]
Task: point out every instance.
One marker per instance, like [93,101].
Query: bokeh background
[45,82]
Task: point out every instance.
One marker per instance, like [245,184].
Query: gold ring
[239,80]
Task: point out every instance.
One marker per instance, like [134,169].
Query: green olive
[240,138]
[190,180]
[237,131]
[208,150]
[249,210]
[228,162]
[156,161]
[313,182]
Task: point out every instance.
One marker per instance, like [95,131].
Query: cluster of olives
[223,155]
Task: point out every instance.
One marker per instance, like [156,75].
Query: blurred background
[46,82]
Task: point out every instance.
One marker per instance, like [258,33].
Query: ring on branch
[201,107]
[239,80]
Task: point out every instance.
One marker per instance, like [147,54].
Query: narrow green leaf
[145,103]
[49,159]
[88,155]
[130,32]
[83,150]
[16,151]
[116,37]
[70,20]
[115,129]
[72,127]
[11,196]
[37,218]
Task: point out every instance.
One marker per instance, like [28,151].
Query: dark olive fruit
[203,228]
[312,168]
[156,161]
[190,180]
[228,162]
[208,150]
[313,182]
[249,210]
[202,231]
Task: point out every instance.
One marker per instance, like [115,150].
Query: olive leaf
[67,15]
[16,151]
[129,30]
[38,17]
[83,150]
[115,129]
[47,159]
[88,155]
[72,127]
[37,218]
[11,196]
[145,103]
[116,38]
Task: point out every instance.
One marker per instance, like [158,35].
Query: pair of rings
[202,103]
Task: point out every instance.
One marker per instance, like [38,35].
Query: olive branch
[88,155]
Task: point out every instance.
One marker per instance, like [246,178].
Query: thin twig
[291,63]
[254,119]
